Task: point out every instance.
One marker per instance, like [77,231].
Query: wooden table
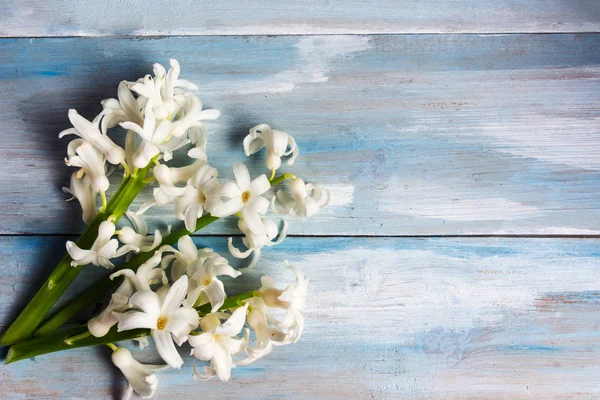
[461,142]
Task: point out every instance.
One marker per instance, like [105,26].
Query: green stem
[229,303]
[80,337]
[67,339]
[281,178]
[106,284]
[98,289]
[63,274]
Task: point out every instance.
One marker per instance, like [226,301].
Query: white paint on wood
[341,196]
[453,203]
[315,58]
[392,318]
[440,134]
[307,17]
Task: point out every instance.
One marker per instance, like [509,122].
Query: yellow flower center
[201,198]
[161,323]
[246,196]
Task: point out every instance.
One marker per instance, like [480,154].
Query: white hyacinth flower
[155,139]
[204,284]
[143,242]
[255,242]
[89,131]
[190,199]
[83,155]
[103,249]
[219,342]
[166,319]
[186,254]
[164,90]
[202,267]
[189,206]
[81,189]
[276,142]
[141,377]
[308,199]
[292,299]
[244,196]
[119,302]
[125,108]
[167,178]
[266,334]
[172,81]
[147,274]
[193,115]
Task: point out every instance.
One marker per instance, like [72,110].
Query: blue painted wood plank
[387,318]
[251,17]
[414,135]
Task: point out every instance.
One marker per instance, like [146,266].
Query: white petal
[293,150]
[203,351]
[141,378]
[134,320]
[125,249]
[260,205]
[176,295]
[236,252]
[191,216]
[128,102]
[79,255]
[105,231]
[223,363]
[209,114]
[253,221]
[260,185]
[147,301]
[182,321]
[138,222]
[186,246]
[81,189]
[227,208]
[197,153]
[225,269]
[215,293]
[242,176]
[144,154]
[203,339]
[208,374]
[166,348]
[231,345]
[235,323]
[229,190]
[253,143]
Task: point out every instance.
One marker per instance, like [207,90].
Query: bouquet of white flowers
[173,295]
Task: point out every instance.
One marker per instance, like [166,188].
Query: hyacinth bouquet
[162,285]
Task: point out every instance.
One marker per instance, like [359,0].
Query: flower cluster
[172,310]
[178,294]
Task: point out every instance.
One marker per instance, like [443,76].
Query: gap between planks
[467,236]
[241,34]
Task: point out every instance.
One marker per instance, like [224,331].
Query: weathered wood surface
[413,134]
[251,17]
[393,318]
[442,134]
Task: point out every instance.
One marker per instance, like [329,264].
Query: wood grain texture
[251,17]
[394,318]
[414,134]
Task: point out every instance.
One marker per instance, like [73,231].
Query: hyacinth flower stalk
[100,288]
[168,289]
[62,276]
[90,153]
